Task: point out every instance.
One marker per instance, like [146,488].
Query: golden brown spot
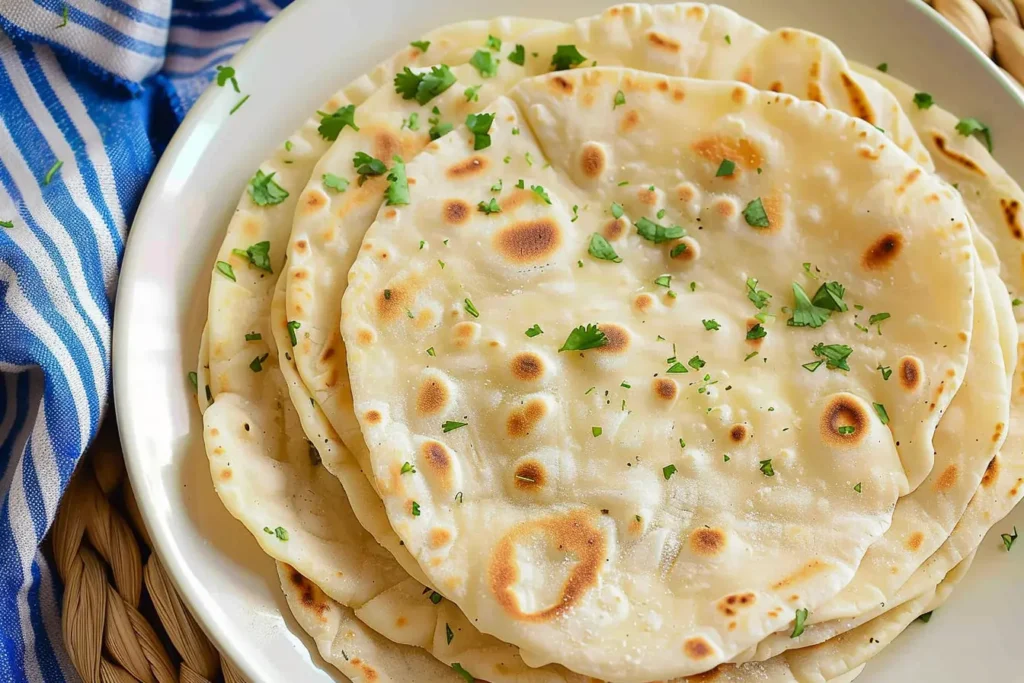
[998,433]
[911,373]
[436,458]
[665,389]
[1011,209]
[803,574]
[1016,489]
[390,213]
[915,540]
[663,86]
[560,85]
[707,542]
[300,245]
[573,534]
[618,339]
[730,604]
[527,366]
[746,75]
[592,160]
[991,473]
[467,167]
[521,421]
[373,417]
[456,211]
[860,106]
[527,242]
[386,145]
[787,36]
[739,94]
[313,200]
[739,433]
[251,226]
[842,412]
[663,42]
[733,625]
[883,252]
[365,337]
[948,478]
[629,121]
[614,229]
[678,95]
[643,302]
[725,207]
[908,180]
[743,152]
[515,199]
[225,474]
[957,157]
[439,537]
[870,154]
[214,431]
[432,397]
[401,622]
[697,648]
[464,333]
[695,12]
[309,594]
[588,99]
[393,302]
[774,208]
[530,476]
[647,196]
[776,86]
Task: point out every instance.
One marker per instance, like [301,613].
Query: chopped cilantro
[711,325]
[882,415]
[667,471]
[485,63]
[253,336]
[471,309]
[408,468]
[292,326]
[489,207]
[726,168]
[226,270]
[7,224]
[471,93]
[886,371]
[757,296]
[493,43]
[566,57]
[448,633]
[479,125]
[798,624]
[257,363]
[1014,303]
[923,100]
[663,280]
[971,126]
[541,192]
[1009,539]
[749,356]
[265,191]
[416,513]
[450,426]
[397,193]
[846,430]
[757,332]
[334,182]
[239,105]
[518,55]
[423,87]
[596,431]
[806,313]
[534,331]
[279,532]
[258,255]
[431,352]
[835,355]
[766,468]
[462,672]
[883,67]
[226,74]
[367,166]
[656,232]
[616,210]
[812,366]
[926,617]
[193,378]
[600,248]
[620,99]
[755,214]
[830,296]
[435,597]
[583,338]
[678,249]
[331,125]
[878,318]
[677,368]
[858,488]
[421,45]
[696,363]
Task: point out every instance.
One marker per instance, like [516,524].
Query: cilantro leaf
[755,214]
[886,372]
[882,414]
[835,355]
[6,224]
[696,362]
[484,62]
[334,182]
[472,93]
[292,326]
[667,471]
[225,74]
[757,296]
[1009,539]
[258,255]
[583,338]
[830,296]
[757,332]
[425,86]
[225,269]
[479,125]
[566,57]
[726,169]
[368,166]
[766,468]
[711,325]
[923,100]
[397,193]
[331,125]
[657,233]
[462,672]
[620,99]
[616,210]
[534,331]
[264,191]
[798,624]
[471,309]
[421,45]
[518,55]
[493,43]
[971,126]
[489,207]
[451,425]
[601,249]
[541,192]
[883,67]
[806,313]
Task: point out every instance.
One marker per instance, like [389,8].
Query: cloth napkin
[90,93]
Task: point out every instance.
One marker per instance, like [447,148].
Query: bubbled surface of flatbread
[564,542]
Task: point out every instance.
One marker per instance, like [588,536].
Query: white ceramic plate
[292,66]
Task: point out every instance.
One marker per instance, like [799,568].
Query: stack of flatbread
[654,346]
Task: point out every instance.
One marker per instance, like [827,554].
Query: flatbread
[463,516]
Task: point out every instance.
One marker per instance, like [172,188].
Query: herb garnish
[541,192]
[883,67]
[882,415]
[858,488]
[265,191]
[416,513]
[812,366]
[656,232]
[806,313]
[421,45]
[583,338]
[971,126]
[667,471]
[1009,539]
[835,355]
[616,210]
[7,224]
[397,193]
[471,93]
[566,57]
[878,318]
[489,207]
[886,371]
[518,55]
[407,468]
[755,214]
[484,62]
[451,425]
[258,255]
[280,532]
[479,125]
[367,166]
[253,336]
[534,331]
[226,270]
[335,182]
[600,248]
[471,309]
[596,431]
[493,43]
[257,363]
[725,169]
[757,332]
[923,100]
[462,672]
[193,378]
[798,625]
[766,468]
[226,74]
[846,430]
[830,296]
[620,99]
[424,87]
[292,326]
[757,296]
[331,125]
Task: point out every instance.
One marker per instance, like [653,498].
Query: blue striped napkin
[90,93]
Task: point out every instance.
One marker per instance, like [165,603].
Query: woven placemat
[123,620]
